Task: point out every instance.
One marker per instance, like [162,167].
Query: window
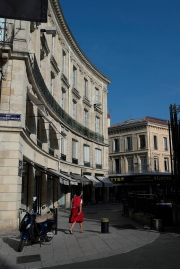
[85,118]
[86,155]
[116,145]
[63,145]
[165,145]
[117,166]
[74,76]
[52,83]
[129,143]
[143,164]
[74,151]
[142,141]
[130,165]
[62,98]
[166,165]
[74,110]
[155,142]
[98,159]
[97,122]
[155,164]
[96,95]
[52,49]
[2,27]
[63,61]
[85,87]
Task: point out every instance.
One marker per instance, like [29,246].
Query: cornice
[62,23]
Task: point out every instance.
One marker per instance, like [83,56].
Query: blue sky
[135,43]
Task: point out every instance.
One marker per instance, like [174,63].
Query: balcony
[87,164]
[75,161]
[39,143]
[27,131]
[68,120]
[63,157]
[98,166]
[6,33]
[51,151]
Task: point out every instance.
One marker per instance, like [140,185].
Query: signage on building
[8,116]
[161,178]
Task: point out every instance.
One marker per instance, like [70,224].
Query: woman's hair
[78,193]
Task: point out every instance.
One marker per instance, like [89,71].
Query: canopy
[105,181]
[96,183]
[82,180]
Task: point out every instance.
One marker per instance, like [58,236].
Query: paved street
[125,236]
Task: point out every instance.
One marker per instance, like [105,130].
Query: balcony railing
[98,166]
[27,131]
[63,157]
[6,32]
[51,151]
[39,143]
[87,164]
[68,120]
[75,161]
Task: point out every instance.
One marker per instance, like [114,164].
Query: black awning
[83,180]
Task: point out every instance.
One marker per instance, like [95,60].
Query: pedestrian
[77,215]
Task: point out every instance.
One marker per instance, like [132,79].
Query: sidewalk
[124,235]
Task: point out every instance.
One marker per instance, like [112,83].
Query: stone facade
[53,105]
[139,146]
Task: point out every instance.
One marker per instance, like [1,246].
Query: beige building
[139,147]
[53,117]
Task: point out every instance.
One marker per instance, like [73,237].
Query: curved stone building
[53,118]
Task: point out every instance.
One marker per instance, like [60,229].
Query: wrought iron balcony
[39,143]
[6,33]
[87,164]
[68,120]
[51,151]
[63,157]
[75,161]
[98,166]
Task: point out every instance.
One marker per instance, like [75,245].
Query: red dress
[76,202]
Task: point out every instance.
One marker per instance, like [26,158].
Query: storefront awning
[96,183]
[67,177]
[81,179]
[105,181]
[62,178]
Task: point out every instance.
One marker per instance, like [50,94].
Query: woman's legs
[80,226]
[72,226]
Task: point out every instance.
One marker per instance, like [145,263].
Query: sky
[136,44]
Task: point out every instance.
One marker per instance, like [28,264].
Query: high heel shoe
[82,231]
[70,232]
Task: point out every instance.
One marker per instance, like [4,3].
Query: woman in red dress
[76,212]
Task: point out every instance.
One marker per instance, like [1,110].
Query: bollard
[105,225]
[158,224]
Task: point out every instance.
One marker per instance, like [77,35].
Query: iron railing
[68,120]
[87,164]
[63,157]
[6,33]
[51,151]
[98,166]
[75,161]
[39,143]
[143,203]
